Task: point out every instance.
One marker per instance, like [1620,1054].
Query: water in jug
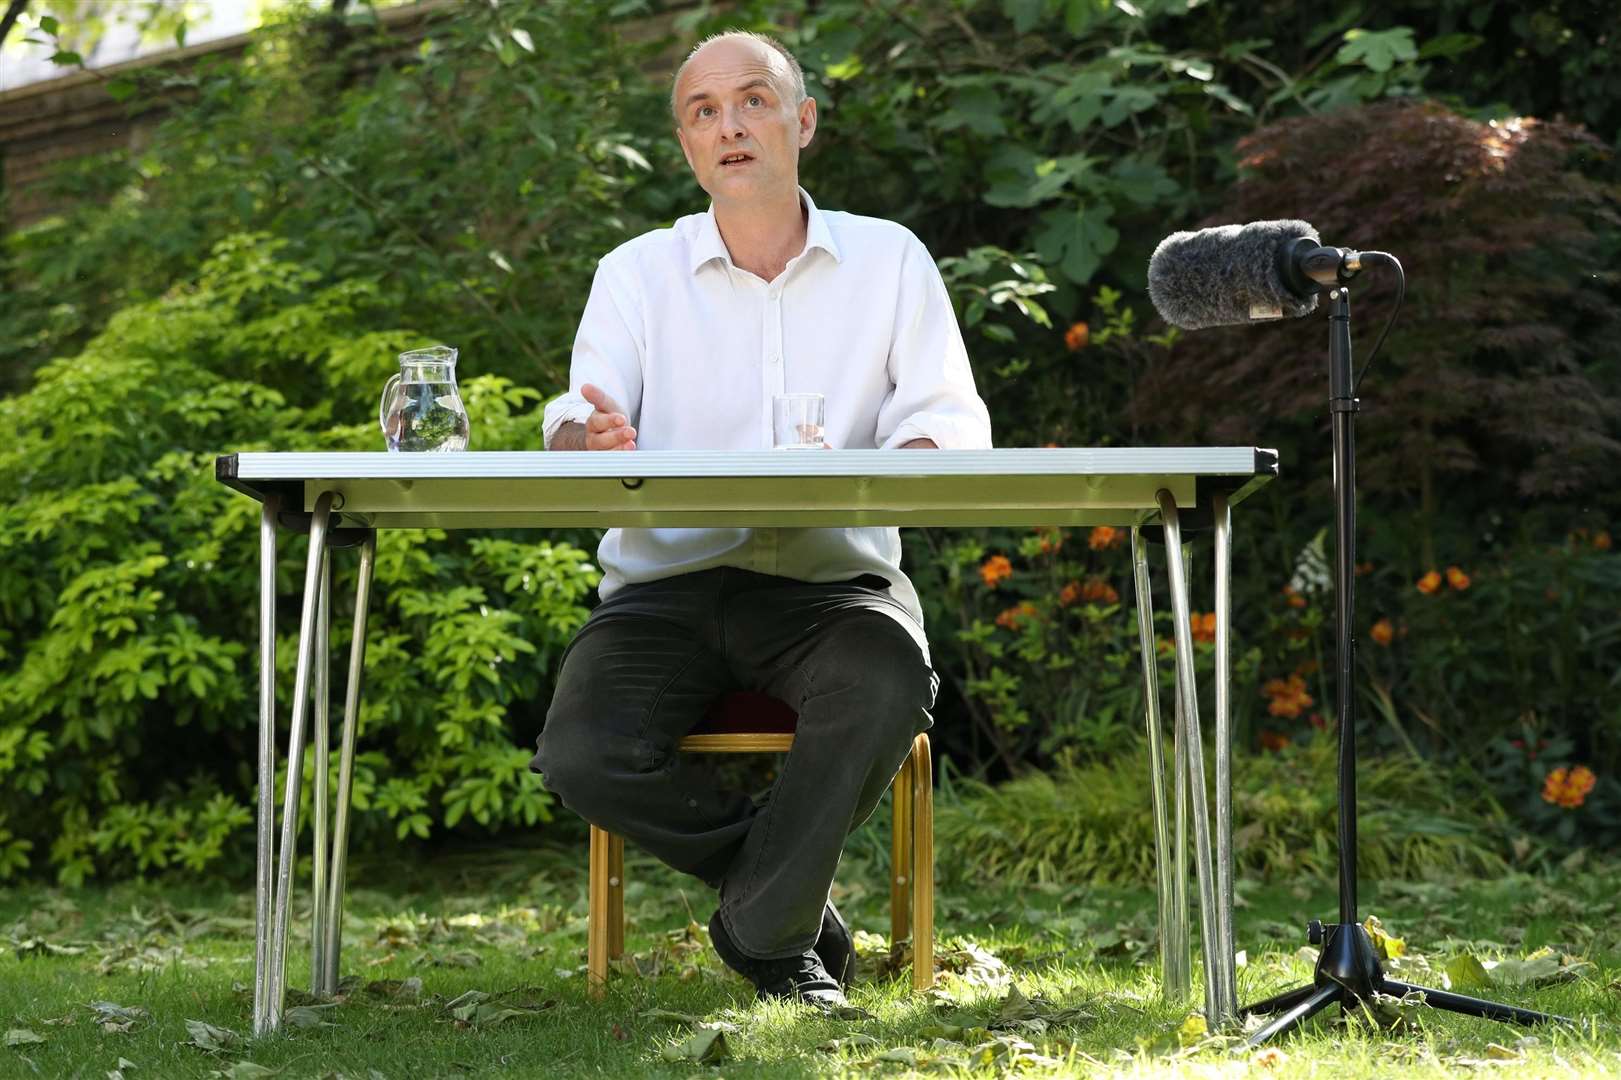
[421,409]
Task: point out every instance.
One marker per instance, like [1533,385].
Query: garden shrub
[129,586]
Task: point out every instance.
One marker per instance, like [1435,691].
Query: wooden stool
[753,723]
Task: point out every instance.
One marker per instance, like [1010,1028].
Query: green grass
[1081,956]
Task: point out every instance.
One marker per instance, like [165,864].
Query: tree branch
[9,19]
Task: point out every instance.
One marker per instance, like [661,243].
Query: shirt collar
[708,245]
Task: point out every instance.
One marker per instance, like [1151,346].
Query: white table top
[1082,486]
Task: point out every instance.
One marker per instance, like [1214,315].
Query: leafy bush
[128,692]
[1093,822]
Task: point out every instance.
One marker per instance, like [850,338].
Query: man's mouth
[735,160]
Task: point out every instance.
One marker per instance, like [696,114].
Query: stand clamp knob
[1314,932]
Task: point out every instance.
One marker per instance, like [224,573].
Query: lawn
[473,965]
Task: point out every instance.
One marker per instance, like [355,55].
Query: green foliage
[1093,821]
[128,578]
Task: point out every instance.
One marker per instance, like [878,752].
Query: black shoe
[836,947]
[795,978]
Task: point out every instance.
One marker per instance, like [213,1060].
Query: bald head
[767,52]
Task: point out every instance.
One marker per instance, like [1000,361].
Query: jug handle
[382,405]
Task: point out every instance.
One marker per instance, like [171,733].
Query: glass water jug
[421,409]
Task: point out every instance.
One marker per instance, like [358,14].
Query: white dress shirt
[693,348]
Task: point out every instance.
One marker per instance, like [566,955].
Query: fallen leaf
[22,1037]
[705,1047]
[208,1037]
[1387,946]
[1466,972]
[398,989]
[849,1042]
[246,1070]
[119,1071]
[308,1016]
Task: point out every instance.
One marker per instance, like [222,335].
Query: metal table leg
[1173,960]
[267,759]
[346,769]
[1225,947]
[277,992]
[1188,699]
[319,795]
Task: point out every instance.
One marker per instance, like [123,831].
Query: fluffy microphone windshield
[1226,276]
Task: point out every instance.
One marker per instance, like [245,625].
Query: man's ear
[807,122]
[686,152]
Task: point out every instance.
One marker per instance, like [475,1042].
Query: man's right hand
[607,428]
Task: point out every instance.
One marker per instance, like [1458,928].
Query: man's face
[738,125]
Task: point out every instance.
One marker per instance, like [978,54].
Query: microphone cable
[1381,258]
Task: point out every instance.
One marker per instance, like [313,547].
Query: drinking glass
[797,421]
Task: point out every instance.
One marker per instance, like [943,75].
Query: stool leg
[922,865]
[900,859]
[596,964]
[616,896]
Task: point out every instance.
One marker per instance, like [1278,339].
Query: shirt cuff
[948,433]
[562,410]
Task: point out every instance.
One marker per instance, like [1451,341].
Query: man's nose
[732,125]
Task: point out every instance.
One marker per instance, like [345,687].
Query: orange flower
[1289,697]
[1430,583]
[1077,337]
[1052,538]
[1273,740]
[1069,594]
[995,569]
[1098,591]
[1204,626]
[1364,568]
[1014,616]
[1457,578]
[1601,541]
[1104,537]
[1294,598]
[1382,632]
[1568,787]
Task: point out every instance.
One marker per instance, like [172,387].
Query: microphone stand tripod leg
[1310,1001]
[1470,1006]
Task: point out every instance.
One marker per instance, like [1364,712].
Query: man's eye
[705,110]
[754,99]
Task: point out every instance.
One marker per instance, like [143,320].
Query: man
[687,335]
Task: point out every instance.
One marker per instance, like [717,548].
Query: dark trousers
[650,662]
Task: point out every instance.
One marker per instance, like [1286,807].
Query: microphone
[1231,275]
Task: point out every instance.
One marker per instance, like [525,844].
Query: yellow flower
[994,570]
[1430,583]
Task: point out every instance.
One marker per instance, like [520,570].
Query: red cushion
[747,712]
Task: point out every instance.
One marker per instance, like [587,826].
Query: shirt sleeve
[608,351]
[934,395]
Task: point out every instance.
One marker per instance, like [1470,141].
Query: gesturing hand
[607,428]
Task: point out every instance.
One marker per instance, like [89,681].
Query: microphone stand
[1348,970]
